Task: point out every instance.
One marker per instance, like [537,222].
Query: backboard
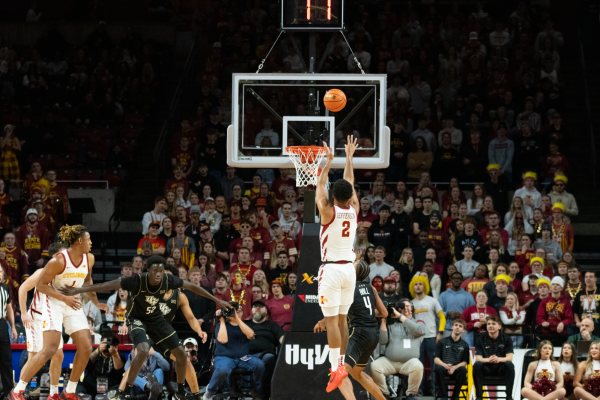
[273,111]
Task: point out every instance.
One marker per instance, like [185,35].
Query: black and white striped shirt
[486,346]
[4,299]
[451,352]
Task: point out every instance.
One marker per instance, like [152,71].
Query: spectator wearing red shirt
[493,223]
[45,220]
[438,237]
[526,253]
[280,307]
[158,244]
[259,233]
[34,240]
[58,196]
[365,216]
[256,258]
[475,285]
[555,313]
[177,180]
[244,266]
[282,184]
[221,286]
[526,297]
[183,156]
[15,258]
[238,292]
[475,316]
[289,244]
[425,181]
[236,244]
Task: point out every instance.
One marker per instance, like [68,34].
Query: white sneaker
[206,396]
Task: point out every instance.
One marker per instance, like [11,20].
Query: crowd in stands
[472,97]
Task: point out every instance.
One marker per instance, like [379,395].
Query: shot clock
[312,14]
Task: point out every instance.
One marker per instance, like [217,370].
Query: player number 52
[150,310]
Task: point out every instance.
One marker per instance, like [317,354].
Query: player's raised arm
[99,287]
[350,148]
[322,199]
[202,292]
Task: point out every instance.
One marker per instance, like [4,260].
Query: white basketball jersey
[73,275]
[36,307]
[337,237]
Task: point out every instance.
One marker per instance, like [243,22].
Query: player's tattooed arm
[202,292]
[99,287]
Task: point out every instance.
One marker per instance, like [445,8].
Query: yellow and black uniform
[364,328]
[145,319]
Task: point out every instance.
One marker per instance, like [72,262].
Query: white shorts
[336,288]
[35,335]
[56,314]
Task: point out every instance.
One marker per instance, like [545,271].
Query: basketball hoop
[306,159]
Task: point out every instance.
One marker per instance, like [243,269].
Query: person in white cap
[211,216]
[555,312]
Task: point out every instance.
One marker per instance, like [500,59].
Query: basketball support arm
[268,107]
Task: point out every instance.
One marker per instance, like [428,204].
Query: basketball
[334,100]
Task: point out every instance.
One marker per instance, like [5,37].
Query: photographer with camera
[402,343]
[233,351]
[104,369]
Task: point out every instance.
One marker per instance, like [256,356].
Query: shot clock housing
[310,15]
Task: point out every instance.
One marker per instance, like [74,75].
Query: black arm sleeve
[131,284]
[174,282]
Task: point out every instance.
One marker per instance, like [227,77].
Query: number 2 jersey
[337,237]
[144,299]
[362,311]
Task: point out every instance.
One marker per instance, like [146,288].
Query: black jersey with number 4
[144,298]
[169,306]
[362,311]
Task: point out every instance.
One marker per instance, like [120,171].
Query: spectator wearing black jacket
[382,232]
[527,149]
[399,149]
[420,249]
[446,160]
[497,186]
[475,158]
[469,237]
[403,223]
[201,177]
[223,238]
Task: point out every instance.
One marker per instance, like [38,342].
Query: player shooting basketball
[337,276]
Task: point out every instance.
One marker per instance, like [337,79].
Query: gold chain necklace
[239,299]
[571,293]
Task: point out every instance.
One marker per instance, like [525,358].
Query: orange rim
[307,153]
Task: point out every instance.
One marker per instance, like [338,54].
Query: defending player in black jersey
[145,320]
[175,299]
[364,333]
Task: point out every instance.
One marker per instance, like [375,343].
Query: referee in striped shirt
[452,357]
[6,314]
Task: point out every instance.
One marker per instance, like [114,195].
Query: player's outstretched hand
[67,290]
[351,146]
[104,307]
[328,152]
[320,327]
[223,304]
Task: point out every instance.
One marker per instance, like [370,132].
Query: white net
[306,159]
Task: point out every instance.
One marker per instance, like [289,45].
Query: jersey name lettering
[74,275]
